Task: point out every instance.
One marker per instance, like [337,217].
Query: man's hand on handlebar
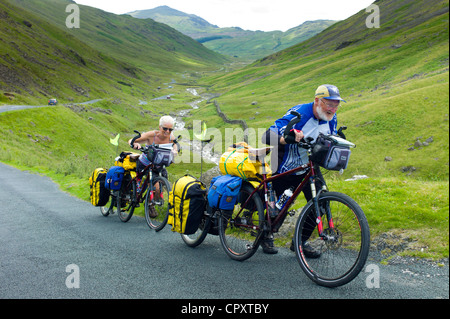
[294,136]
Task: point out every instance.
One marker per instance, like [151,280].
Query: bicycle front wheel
[239,230]
[335,258]
[157,203]
[126,200]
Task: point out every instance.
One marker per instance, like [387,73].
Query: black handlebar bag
[331,152]
[160,156]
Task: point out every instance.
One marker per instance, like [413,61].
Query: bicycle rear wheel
[109,207]
[240,232]
[157,208]
[126,199]
[344,248]
[199,236]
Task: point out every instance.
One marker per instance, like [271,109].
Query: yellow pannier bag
[127,160]
[237,162]
[187,204]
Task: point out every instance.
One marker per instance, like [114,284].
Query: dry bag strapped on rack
[187,204]
[331,152]
[236,162]
[114,178]
[224,191]
[127,160]
[99,195]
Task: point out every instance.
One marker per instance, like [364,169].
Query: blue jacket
[292,155]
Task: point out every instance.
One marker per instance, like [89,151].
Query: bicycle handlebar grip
[288,136]
[340,133]
[135,138]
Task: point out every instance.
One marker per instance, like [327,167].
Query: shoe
[153,213]
[268,247]
[308,251]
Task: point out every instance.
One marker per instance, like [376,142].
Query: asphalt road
[53,245]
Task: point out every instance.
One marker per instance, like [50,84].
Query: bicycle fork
[319,222]
[153,191]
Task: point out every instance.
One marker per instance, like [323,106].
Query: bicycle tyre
[345,254]
[240,235]
[108,208]
[159,206]
[126,200]
[199,236]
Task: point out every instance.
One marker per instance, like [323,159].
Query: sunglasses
[167,129]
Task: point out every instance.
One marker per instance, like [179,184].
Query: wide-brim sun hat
[329,92]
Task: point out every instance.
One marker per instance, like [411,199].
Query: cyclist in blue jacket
[317,117]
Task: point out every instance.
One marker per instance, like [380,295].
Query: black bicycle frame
[311,177]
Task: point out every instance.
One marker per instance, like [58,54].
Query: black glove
[290,137]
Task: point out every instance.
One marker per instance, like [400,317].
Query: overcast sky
[264,15]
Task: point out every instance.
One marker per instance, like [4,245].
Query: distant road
[6,108]
[48,236]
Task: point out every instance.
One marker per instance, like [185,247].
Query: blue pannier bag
[114,178]
[224,191]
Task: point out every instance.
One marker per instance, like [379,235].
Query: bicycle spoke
[126,200]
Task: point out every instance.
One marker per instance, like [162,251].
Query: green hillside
[145,43]
[233,41]
[130,57]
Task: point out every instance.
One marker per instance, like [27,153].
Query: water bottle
[284,198]
[273,212]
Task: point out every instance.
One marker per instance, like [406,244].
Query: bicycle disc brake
[333,238]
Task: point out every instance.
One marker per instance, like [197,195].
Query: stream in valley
[194,144]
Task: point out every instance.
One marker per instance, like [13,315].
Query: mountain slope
[38,61]
[233,41]
[146,43]
[41,58]
[190,24]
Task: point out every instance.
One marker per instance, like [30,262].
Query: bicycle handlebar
[135,138]
[304,143]
[143,149]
